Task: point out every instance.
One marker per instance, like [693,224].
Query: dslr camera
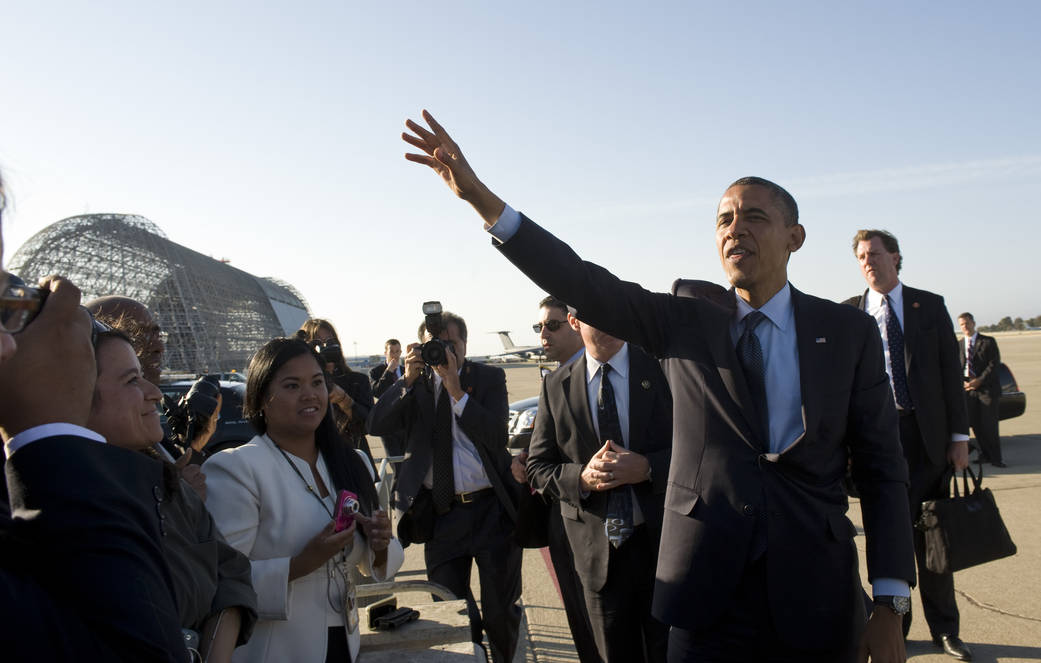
[434,351]
[193,409]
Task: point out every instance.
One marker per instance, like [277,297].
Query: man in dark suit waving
[601,449]
[773,391]
[980,359]
[922,361]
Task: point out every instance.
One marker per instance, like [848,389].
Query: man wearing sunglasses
[601,449]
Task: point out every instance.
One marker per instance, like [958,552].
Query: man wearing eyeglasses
[601,449]
[82,574]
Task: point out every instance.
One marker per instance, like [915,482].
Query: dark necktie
[895,338]
[968,357]
[619,523]
[444,481]
[750,352]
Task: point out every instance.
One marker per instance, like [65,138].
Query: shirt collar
[619,364]
[573,358]
[777,310]
[896,295]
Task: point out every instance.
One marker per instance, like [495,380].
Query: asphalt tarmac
[1000,602]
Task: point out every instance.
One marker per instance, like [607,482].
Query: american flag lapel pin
[820,339]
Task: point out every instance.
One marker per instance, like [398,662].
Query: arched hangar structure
[216,315]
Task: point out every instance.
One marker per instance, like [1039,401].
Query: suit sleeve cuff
[890,587]
[506,225]
[459,405]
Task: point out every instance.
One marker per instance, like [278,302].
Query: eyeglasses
[19,304]
[552,325]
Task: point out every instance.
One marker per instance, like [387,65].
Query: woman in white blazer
[274,500]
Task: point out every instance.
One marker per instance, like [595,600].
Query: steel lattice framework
[216,315]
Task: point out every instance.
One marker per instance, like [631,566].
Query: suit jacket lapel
[911,324]
[716,318]
[807,331]
[641,400]
[578,403]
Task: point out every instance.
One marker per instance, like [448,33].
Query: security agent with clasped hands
[454,491]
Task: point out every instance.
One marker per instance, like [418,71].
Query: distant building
[216,315]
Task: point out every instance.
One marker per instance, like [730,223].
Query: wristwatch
[901,605]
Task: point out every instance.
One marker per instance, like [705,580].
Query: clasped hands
[611,466]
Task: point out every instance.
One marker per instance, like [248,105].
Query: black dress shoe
[998,463]
[953,647]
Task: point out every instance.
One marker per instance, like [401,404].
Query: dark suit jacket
[83,552]
[933,373]
[564,440]
[721,486]
[985,360]
[484,421]
[380,380]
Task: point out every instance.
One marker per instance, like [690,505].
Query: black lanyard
[310,488]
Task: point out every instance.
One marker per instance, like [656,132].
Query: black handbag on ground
[964,530]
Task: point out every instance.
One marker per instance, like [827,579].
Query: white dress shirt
[468,472]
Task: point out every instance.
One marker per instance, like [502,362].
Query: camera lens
[433,353]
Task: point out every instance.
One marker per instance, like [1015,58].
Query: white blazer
[265,510]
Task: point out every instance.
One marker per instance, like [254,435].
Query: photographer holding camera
[349,391]
[454,491]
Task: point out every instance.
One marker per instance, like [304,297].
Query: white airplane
[511,352]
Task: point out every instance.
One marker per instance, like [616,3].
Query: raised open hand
[445,158]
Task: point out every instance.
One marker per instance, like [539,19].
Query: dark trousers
[927,482]
[620,612]
[745,632]
[336,649]
[983,417]
[571,592]
[480,532]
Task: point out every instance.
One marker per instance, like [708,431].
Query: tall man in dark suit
[82,575]
[773,391]
[453,418]
[601,449]
[387,373]
[562,343]
[921,355]
[980,359]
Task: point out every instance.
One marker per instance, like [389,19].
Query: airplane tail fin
[507,342]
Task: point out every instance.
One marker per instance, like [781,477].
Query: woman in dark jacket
[212,581]
[349,391]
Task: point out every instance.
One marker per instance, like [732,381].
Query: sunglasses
[552,325]
[20,304]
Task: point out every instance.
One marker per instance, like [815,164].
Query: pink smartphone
[346,507]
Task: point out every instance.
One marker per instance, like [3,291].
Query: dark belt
[473,496]
[905,413]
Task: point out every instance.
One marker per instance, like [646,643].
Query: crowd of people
[688,464]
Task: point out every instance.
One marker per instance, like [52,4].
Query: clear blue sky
[269,136]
